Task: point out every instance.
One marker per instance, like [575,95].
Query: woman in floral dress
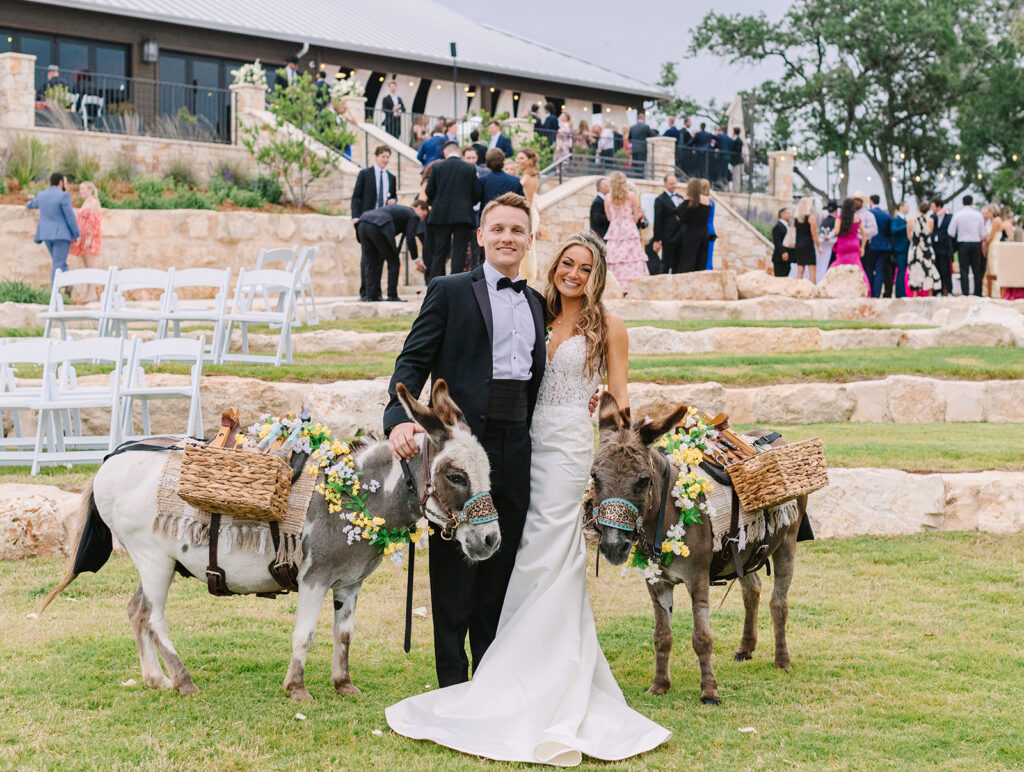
[626,258]
[87,246]
[922,273]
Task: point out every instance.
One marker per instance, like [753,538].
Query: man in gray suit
[57,225]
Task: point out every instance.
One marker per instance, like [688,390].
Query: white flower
[302,445]
[685,503]
[254,429]
[347,87]
[372,486]
[397,557]
[675,532]
[713,434]
[264,417]
[651,572]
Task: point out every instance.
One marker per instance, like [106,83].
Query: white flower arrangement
[347,87]
[252,74]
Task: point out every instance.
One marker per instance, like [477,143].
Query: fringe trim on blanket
[762,526]
[243,537]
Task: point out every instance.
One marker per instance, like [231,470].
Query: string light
[847,153]
[979,175]
[842,175]
[411,84]
[515,97]
[957,156]
[492,89]
[438,86]
[917,178]
[1014,156]
[953,173]
[381,79]
[903,156]
[941,175]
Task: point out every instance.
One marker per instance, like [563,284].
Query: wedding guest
[376,233]
[780,255]
[511,167]
[598,215]
[563,138]
[549,127]
[451,130]
[723,156]
[53,81]
[668,237]
[498,182]
[851,238]
[57,226]
[805,250]
[87,246]
[736,164]
[432,149]
[582,137]
[923,276]
[672,130]
[499,140]
[626,258]
[479,148]
[468,154]
[901,230]
[869,258]
[375,185]
[394,109]
[420,131]
[705,190]
[881,245]
[452,190]
[942,244]
[827,237]
[968,229]
[693,214]
[606,142]
[322,97]
[291,70]
[538,120]
[702,144]
[639,133]
[529,172]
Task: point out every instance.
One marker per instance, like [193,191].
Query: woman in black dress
[806,248]
[693,214]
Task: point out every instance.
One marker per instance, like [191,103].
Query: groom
[483,332]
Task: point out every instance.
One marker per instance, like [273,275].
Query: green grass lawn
[960,447]
[906,655]
[60,476]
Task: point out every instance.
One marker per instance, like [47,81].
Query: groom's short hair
[513,200]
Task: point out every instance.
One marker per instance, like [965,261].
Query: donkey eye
[641,484]
[456,479]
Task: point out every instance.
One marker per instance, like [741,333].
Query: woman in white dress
[543,691]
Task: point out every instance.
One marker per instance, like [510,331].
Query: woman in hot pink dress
[850,238]
[626,258]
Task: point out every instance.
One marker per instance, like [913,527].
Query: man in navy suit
[550,126]
[639,133]
[723,156]
[702,142]
[672,130]
[499,140]
[57,224]
[498,182]
[432,149]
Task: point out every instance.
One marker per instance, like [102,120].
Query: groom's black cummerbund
[508,401]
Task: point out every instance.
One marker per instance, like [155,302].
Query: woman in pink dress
[626,258]
[563,139]
[851,238]
[87,246]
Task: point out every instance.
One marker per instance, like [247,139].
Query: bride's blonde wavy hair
[591,322]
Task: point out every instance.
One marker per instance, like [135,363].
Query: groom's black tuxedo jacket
[451,339]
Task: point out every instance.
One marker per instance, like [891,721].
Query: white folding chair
[17,397]
[268,257]
[243,315]
[63,399]
[136,390]
[79,277]
[305,284]
[199,310]
[121,311]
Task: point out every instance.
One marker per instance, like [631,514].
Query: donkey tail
[93,545]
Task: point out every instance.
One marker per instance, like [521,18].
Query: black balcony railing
[138,106]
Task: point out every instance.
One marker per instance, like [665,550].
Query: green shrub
[149,187]
[269,189]
[249,198]
[12,291]
[122,170]
[180,173]
[28,159]
[76,166]
[232,172]
[3,183]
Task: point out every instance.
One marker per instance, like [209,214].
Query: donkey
[121,499]
[627,468]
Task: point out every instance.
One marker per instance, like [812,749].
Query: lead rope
[410,483]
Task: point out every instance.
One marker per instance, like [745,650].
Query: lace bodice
[565,383]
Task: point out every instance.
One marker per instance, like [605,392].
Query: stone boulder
[612,288]
[658,340]
[984,501]
[754,284]
[656,400]
[697,285]
[35,521]
[843,281]
[761,340]
[877,502]
[20,314]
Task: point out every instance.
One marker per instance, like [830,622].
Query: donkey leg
[751,584]
[156,582]
[311,597]
[138,617]
[782,561]
[702,643]
[344,619]
[661,598]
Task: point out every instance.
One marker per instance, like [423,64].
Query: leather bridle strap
[410,483]
[216,580]
[659,528]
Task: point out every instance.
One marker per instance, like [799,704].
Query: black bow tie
[516,286]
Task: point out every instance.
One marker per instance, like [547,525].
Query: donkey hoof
[710,699]
[300,694]
[658,689]
[188,689]
[741,656]
[346,688]
[784,666]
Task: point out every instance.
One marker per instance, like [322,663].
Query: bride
[543,692]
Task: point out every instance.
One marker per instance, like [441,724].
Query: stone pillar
[245,99]
[17,91]
[354,108]
[519,130]
[661,157]
[780,175]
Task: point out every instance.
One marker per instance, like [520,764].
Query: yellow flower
[378,521]
[264,431]
[666,546]
[415,536]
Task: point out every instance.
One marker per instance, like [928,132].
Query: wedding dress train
[543,691]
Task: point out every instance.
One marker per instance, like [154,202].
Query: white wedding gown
[543,691]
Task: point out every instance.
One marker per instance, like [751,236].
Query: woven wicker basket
[238,483]
[780,474]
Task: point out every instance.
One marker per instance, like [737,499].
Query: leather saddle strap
[285,574]
[734,534]
[216,581]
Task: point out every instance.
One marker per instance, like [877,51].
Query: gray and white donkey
[123,495]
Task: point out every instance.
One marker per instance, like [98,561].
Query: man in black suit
[452,190]
[736,162]
[394,109]
[376,233]
[483,332]
[702,143]
[942,244]
[478,146]
[639,133]
[668,231]
[538,121]
[322,97]
[549,129]
[499,140]
[375,187]
[780,255]
[598,215]
[684,153]
[498,182]
[723,157]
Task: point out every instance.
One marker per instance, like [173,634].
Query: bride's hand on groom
[594,399]
[403,439]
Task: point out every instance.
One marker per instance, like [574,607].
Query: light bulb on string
[1014,156]
[953,173]
[979,175]
[903,156]
[957,156]
[847,153]
[917,178]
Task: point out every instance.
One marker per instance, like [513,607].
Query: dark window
[373,88]
[597,108]
[495,96]
[516,99]
[6,41]
[197,84]
[79,60]
[419,102]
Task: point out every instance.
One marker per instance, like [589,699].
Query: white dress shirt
[514,333]
[968,225]
[383,191]
[494,141]
[676,198]
[870,223]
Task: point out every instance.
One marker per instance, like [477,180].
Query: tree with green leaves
[880,79]
[286,149]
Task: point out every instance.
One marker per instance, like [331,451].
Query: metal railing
[118,104]
[402,126]
[581,163]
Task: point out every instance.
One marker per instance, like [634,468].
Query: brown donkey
[628,469]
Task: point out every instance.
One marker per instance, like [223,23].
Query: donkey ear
[424,416]
[609,416]
[649,430]
[444,405]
